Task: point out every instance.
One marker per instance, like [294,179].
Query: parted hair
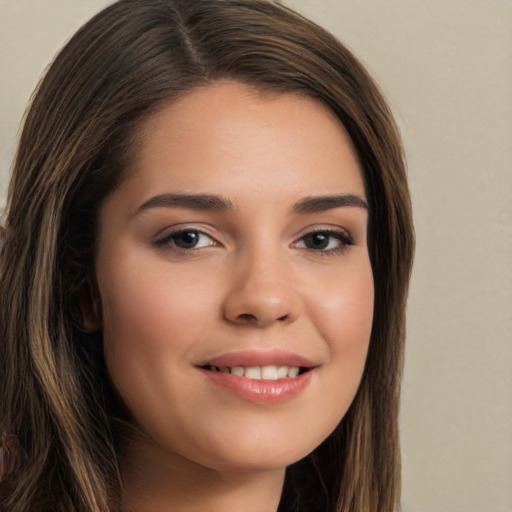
[80,134]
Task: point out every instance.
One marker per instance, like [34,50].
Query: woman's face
[233,257]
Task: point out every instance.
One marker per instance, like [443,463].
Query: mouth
[269,372]
[260,376]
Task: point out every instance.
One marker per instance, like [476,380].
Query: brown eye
[325,241]
[317,240]
[186,239]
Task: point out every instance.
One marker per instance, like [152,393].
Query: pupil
[318,240]
[187,239]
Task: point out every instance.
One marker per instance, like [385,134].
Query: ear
[89,307]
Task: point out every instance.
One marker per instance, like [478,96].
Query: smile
[268,372]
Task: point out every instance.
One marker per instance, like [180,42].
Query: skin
[252,282]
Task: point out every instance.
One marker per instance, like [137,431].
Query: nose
[261,293]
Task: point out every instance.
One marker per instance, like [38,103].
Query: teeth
[237,370]
[270,372]
[293,372]
[253,372]
[282,372]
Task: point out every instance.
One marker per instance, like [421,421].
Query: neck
[155,480]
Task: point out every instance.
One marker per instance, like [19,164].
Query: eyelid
[163,238]
[325,228]
[342,234]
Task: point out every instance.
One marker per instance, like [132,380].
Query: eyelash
[342,236]
[167,241]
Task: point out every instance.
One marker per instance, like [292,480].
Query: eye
[325,240]
[185,239]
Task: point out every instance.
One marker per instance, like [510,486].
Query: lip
[259,357]
[260,391]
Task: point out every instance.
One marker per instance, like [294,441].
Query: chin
[257,450]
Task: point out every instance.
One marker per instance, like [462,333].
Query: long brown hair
[79,137]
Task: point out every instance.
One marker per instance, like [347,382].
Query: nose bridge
[262,291]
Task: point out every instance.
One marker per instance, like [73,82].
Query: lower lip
[261,391]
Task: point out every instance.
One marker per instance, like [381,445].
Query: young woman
[208,243]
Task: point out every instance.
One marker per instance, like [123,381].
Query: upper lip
[259,357]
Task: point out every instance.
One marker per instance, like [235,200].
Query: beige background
[446,67]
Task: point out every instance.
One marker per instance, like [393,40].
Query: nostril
[251,319]
[251,307]
[247,317]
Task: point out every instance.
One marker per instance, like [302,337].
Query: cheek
[148,336]
[344,320]
[145,309]
[344,310]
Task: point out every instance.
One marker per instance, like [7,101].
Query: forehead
[230,138]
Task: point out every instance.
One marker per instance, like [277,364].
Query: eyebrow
[203,202]
[207,202]
[324,203]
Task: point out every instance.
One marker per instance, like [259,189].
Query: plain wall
[446,68]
